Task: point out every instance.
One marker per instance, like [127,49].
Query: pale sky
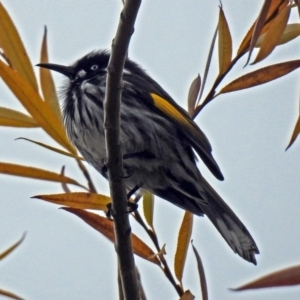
[62,257]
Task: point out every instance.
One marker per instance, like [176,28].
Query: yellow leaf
[78,200]
[261,76]
[36,173]
[225,43]
[183,241]
[272,36]
[13,118]
[10,295]
[38,109]
[148,206]
[14,49]
[47,83]
[105,226]
[12,248]
[286,277]
[53,149]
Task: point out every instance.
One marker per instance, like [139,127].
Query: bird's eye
[94,67]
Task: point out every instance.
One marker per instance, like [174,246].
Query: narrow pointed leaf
[105,226]
[208,62]
[52,148]
[183,242]
[10,295]
[187,296]
[261,76]
[259,24]
[78,200]
[47,83]
[35,173]
[148,206]
[286,277]
[12,248]
[193,94]
[272,36]
[225,43]
[13,118]
[14,49]
[275,8]
[201,273]
[295,133]
[37,108]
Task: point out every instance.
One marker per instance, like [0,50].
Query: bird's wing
[189,129]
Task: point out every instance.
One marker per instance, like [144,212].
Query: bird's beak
[67,71]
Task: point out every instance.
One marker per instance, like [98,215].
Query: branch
[113,148]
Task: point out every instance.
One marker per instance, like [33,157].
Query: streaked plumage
[156,134]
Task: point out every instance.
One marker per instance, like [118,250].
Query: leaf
[291,32]
[12,248]
[275,8]
[10,295]
[13,48]
[201,273]
[52,148]
[272,36]
[148,206]
[261,76]
[187,296]
[295,133]
[225,43]
[193,94]
[37,108]
[208,62]
[183,241]
[36,173]
[47,83]
[13,118]
[259,24]
[105,226]
[78,200]
[286,277]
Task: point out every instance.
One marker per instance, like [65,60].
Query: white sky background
[61,257]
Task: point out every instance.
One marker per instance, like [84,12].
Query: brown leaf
[201,273]
[273,35]
[47,83]
[261,76]
[187,296]
[275,8]
[38,109]
[295,133]
[10,295]
[36,173]
[13,118]
[183,241]
[285,277]
[259,24]
[12,248]
[148,206]
[14,49]
[78,200]
[193,94]
[225,43]
[105,226]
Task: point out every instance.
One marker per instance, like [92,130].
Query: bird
[159,142]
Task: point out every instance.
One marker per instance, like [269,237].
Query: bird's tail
[227,223]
